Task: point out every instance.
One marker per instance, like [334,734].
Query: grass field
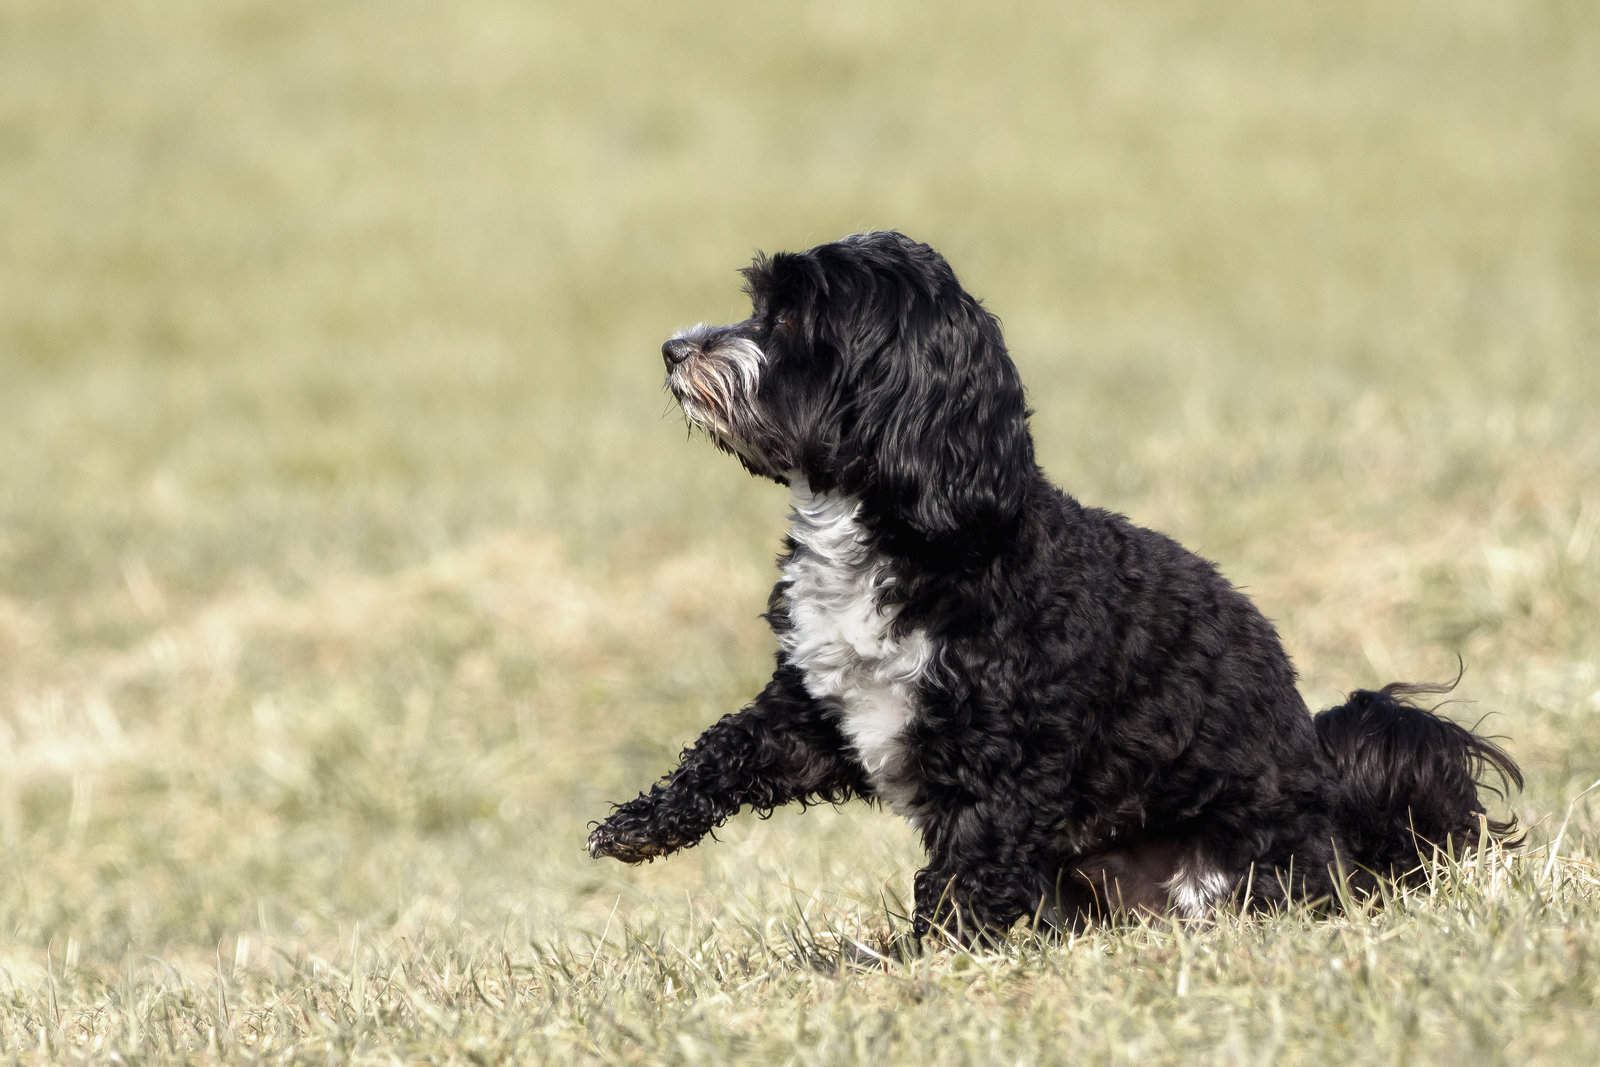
[351,562]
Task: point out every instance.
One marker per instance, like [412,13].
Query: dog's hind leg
[780,749]
[1119,883]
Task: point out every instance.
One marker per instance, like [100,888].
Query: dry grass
[349,564]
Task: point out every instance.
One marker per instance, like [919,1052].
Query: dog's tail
[1408,782]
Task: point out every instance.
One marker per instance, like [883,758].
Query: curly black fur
[1079,716]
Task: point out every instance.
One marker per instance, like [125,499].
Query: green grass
[350,562]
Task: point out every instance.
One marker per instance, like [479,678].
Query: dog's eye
[784,320]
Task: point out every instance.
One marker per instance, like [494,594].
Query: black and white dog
[1079,716]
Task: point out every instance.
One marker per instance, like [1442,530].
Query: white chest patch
[841,638]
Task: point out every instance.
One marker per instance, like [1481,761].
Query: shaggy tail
[1408,781]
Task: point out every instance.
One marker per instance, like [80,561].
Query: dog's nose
[676,350]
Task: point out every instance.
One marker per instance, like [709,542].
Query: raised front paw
[629,846]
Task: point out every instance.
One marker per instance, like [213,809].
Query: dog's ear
[938,443]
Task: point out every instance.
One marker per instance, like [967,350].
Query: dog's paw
[621,845]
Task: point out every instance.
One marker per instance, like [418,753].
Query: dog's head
[865,368]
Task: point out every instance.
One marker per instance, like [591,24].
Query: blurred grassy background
[351,561]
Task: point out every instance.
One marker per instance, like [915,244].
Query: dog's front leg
[781,748]
[970,892]
[970,905]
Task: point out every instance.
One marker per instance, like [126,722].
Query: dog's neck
[826,523]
